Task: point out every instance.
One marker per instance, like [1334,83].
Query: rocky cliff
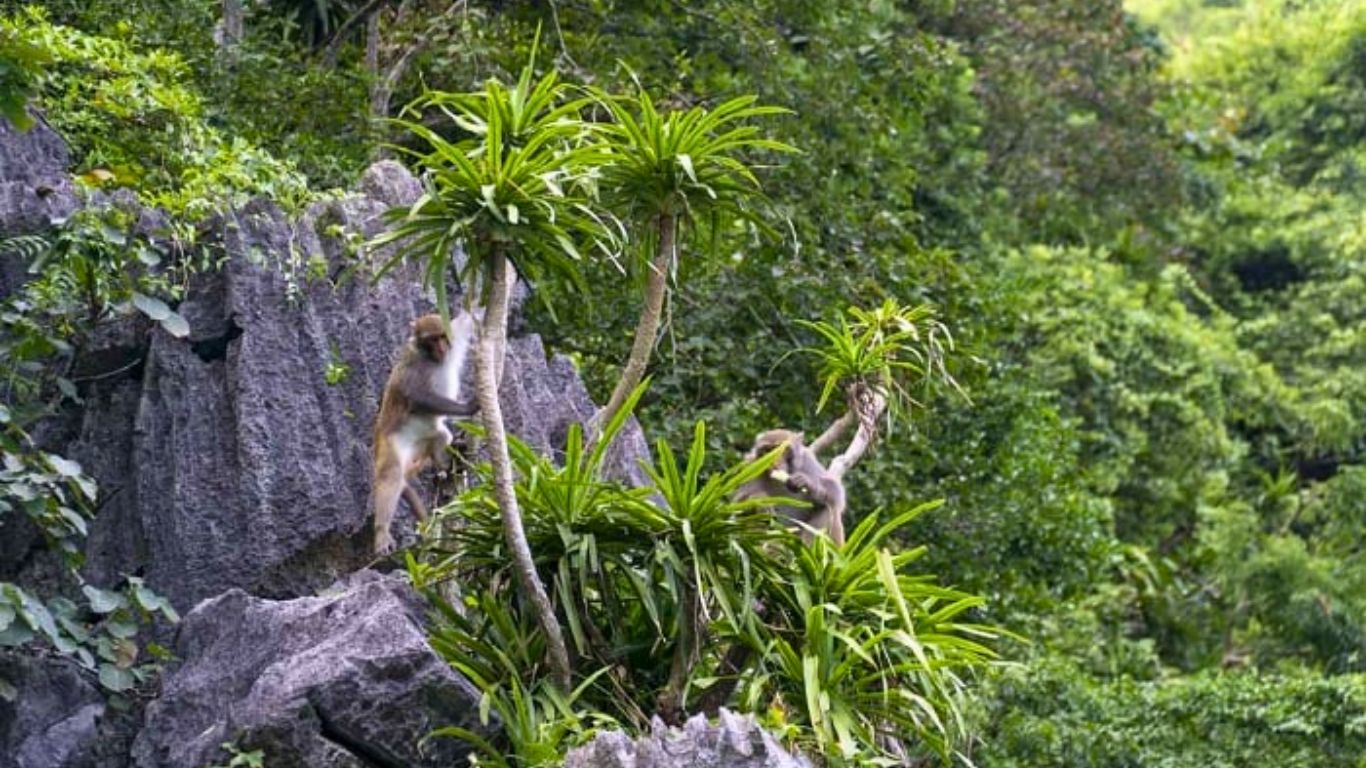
[231,472]
[234,479]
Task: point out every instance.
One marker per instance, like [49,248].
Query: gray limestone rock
[230,467]
[736,741]
[226,460]
[340,680]
[53,721]
[35,189]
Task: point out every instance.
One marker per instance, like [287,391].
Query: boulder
[735,741]
[53,719]
[345,679]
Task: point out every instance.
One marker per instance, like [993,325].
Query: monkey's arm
[427,400]
[820,490]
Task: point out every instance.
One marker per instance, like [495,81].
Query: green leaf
[686,162]
[123,629]
[88,487]
[103,601]
[16,634]
[115,679]
[146,599]
[175,325]
[37,615]
[154,308]
[64,467]
[74,519]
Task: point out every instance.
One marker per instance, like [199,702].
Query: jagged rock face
[736,741]
[341,680]
[53,720]
[59,718]
[35,190]
[226,460]
[227,463]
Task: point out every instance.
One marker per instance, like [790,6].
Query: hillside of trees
[1102,263]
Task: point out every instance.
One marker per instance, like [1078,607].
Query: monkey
[423,389]
[798,474]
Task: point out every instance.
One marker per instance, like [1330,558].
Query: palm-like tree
[665,171]
[511,193]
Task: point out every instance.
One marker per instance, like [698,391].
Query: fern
[27,247]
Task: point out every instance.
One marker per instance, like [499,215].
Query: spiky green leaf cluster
[859,646]
[854,633]
[885,348]
[683,163]
[514,181]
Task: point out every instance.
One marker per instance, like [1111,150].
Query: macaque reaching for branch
[423,389]
[798,474]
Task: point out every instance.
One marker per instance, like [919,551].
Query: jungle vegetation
[1106,261]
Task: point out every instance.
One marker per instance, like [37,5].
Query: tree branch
[492,345]
[334,43]
[382,91]
[647,328]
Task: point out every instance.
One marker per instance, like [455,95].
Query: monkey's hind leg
[389,484]
[433,452]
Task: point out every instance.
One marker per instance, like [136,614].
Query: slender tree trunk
[382,89]
[338,39]
[671,701]
[492,341]
[234,27]
[372,60]
[656,285]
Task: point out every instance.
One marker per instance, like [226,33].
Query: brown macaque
[798,474]
[423,389]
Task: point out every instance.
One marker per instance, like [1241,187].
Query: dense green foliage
[1054,715]
[1145,226]
[100,632]
[850,642]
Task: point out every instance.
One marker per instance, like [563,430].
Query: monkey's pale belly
[415,432]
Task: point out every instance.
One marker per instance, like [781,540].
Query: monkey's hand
[384,543]
[798,483]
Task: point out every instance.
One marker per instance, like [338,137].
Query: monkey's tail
[414,501]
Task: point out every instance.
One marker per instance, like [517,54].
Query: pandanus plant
[875,356]
[664,172]
[512,190]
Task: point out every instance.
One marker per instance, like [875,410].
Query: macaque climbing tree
[510,190]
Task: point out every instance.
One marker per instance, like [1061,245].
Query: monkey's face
[429,336]
[434,346]
[771,441]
